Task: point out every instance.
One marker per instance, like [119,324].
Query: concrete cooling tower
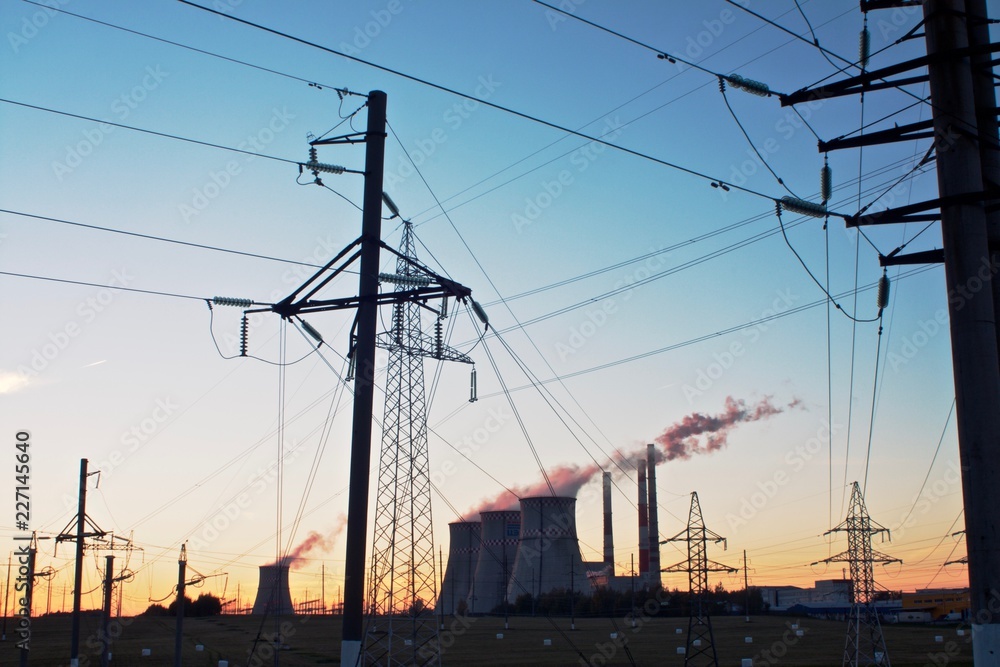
[500,534]
[463,555]
[273,596]
[548,555]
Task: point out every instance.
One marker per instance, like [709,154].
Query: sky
[626,293]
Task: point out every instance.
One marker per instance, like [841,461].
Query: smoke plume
[314,542]
[696,433]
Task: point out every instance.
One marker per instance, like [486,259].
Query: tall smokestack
[609,537]
[654,521]
[643,523]
[273,596]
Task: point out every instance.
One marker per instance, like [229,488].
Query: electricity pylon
[865,644]
[700,638]
[402,628]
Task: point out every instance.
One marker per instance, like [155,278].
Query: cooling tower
[609,534]
[497,551]
[654,520]
[273,596]
[548,554]
[643,524]
[463,554]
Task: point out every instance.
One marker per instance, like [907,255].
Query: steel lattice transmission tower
[700,639]
[865,644]
[402,628]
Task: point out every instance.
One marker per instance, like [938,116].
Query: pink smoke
[696,433]
[314,541]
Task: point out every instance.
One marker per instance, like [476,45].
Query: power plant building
[548,554]
[463,557]
[273,595]
[500,534]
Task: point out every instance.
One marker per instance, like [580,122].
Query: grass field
[315,640]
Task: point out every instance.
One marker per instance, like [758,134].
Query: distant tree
[156,610]
[206,605]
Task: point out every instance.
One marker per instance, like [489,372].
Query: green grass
[315,640]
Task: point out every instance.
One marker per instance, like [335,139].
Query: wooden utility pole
[969,272]
[364,383]
[109,578]
[181,585]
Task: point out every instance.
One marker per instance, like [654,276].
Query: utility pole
[632,572]
[964,128]
[28,595]
[109,575]
[81,524]
[572,598]
[181,584]
[970,269]
[746,584]
[363,343]
[79,535]
[6,595]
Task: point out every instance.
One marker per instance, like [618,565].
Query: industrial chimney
[463,553]
[548,554]
[643,524]
[500,533]
[609,536]
[273,596]
[654,521]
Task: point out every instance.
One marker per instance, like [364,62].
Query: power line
[111,287]
[710,336]
[152,237]
[312,84]
[165,135]
[499,107]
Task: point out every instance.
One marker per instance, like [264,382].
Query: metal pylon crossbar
[865,644]
[700,638]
